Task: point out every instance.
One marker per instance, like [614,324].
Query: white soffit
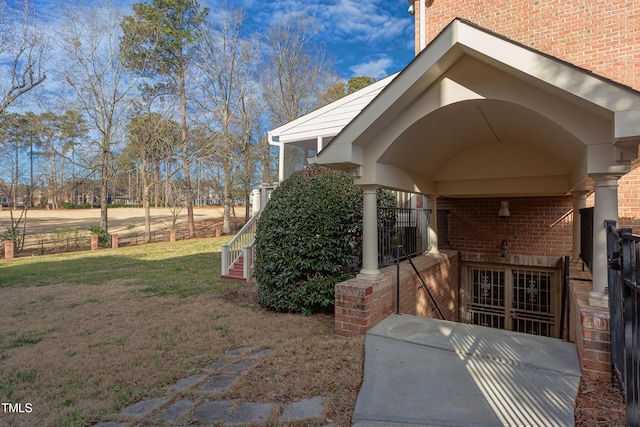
[329,120]
[459,38]
[545,69]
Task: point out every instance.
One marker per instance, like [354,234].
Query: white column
[369,234]
[264,194]
[579,199]
[319,144]
[255,201]
[605,207]
[433,224]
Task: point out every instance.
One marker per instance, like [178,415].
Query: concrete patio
[426,372]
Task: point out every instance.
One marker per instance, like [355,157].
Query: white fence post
[225,259]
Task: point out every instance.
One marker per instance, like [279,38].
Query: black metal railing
[406,227]
[623,252]
[403,254]
[35,246]
[586,237]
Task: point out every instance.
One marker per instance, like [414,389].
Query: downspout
[422,21]
[423,25]
[273,141]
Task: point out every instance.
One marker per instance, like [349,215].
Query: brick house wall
[629,198]
[537,225]
[603,37]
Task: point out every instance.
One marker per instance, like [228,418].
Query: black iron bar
[424,285]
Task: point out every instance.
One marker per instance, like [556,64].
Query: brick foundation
[590,331]
[360,304]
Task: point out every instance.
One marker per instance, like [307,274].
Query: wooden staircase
[236,271]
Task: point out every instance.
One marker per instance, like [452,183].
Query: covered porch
[506,143]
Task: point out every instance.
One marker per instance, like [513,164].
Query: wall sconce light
[504,209]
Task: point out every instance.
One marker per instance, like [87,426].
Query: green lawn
[182,268]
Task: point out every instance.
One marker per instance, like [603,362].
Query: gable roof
[328,121]
[470,83]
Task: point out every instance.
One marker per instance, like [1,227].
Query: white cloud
[368,21]
[376,68]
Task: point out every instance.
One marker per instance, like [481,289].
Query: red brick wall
[628,199]
[536,226]
[590,332]
[442,281]
[601,36]
[361,304]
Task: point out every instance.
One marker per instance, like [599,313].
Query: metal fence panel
[406,227]
[623,251]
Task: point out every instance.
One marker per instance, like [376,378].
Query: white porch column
[319,144]
[579,199]
[605,207]
[433,223]
[369,234]
[255,201]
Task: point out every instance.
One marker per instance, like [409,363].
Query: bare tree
[227,63]
[23,49]
[297,74]
[91,39]
[151,137]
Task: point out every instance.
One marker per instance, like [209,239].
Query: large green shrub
[306,236]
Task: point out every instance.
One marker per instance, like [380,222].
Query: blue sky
[364,37]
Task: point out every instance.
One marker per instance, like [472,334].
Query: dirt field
[41,222]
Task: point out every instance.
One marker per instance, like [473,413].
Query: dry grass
[84,335]
[79,352]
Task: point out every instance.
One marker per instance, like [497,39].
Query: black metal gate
[515,298]
[623,251]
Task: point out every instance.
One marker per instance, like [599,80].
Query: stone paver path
[218,376]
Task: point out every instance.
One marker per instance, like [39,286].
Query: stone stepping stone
[175,411]
[214,366]
[303,409]
[238,351]
[220,382]
[142,408]
[243,366]
[186,382]
[214,411]
[250,413]
[262,354]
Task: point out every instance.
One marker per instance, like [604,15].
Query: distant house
[512,119]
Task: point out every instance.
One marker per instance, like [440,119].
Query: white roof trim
[329,120]
[461,38]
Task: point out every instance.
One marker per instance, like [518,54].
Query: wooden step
[236,271]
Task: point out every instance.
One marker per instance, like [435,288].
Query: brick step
[236,271]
